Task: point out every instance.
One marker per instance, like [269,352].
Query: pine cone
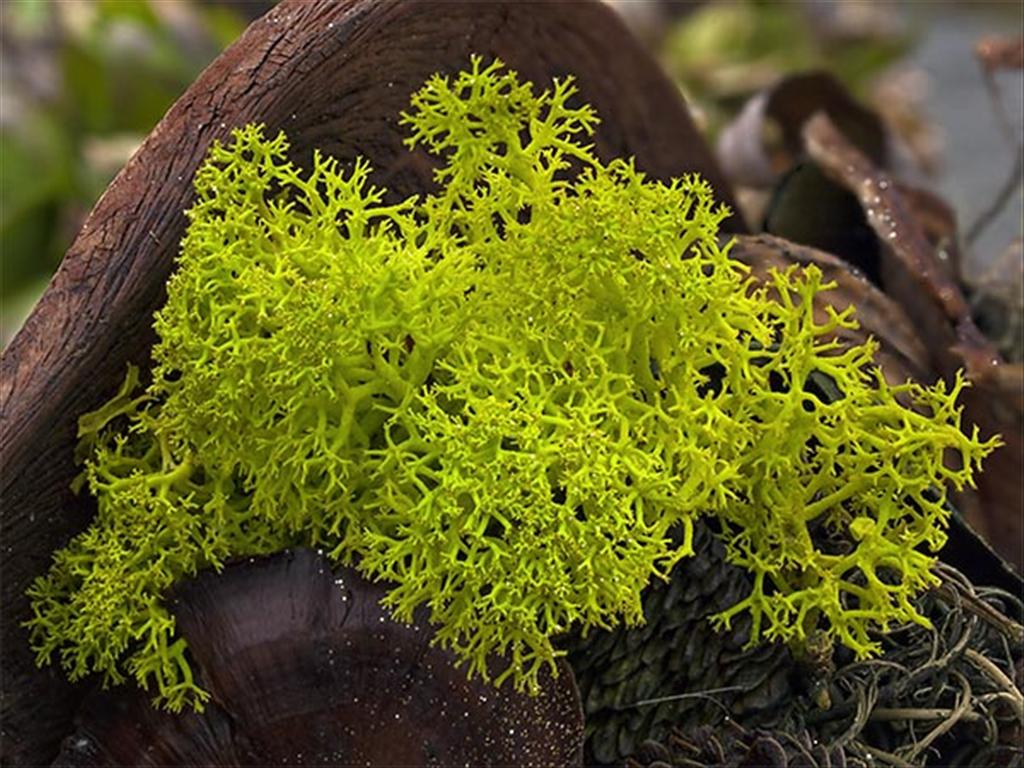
[677,652]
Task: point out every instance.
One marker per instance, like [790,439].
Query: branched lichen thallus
[508,398]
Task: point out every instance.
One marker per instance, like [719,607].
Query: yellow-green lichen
[506,398]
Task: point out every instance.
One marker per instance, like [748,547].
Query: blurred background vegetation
[83,81]
[81,84]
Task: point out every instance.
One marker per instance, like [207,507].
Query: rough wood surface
[305,668]
[333,75]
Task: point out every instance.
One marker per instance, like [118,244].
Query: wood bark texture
[332,75]
[305,667]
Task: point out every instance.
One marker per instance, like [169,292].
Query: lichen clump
[510,398]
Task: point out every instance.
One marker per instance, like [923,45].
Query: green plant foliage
[723,53]
[508,398]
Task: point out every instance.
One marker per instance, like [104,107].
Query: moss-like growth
[506,398]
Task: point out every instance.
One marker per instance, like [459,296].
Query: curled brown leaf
[996,52]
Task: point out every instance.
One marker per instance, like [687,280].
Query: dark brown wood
[914,275]
[332,75]
[305,667]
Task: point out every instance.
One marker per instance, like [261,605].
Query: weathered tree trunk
[332,75]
